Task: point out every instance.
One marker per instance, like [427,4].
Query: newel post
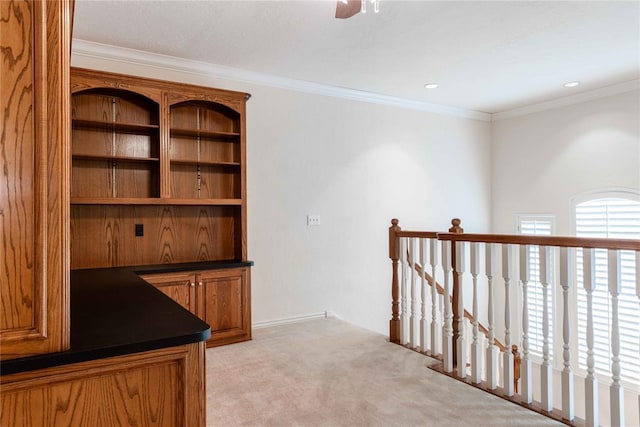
[455,228]
[394,254]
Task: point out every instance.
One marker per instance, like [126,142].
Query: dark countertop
[114,312]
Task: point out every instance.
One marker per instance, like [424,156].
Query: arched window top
[610,214]
[608,217]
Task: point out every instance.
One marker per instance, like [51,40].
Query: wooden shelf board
[121,158]
[204,163]
[153,201]
[116,126]
[203,133]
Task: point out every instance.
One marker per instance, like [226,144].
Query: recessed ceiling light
[431,85]
[571,84]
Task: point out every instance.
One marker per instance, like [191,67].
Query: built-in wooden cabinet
[158,172]
[35,37]
[158,177]
[219,297]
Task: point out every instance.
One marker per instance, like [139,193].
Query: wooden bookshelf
[166,155]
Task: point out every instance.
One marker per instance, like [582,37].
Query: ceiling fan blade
[348,9]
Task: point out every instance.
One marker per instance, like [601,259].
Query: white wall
[355,164]
[542,160]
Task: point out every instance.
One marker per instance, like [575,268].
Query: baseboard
[287,320]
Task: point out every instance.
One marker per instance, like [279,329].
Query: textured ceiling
[486,56]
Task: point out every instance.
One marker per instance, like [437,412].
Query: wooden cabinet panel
[220,297]
[223,302]
[34,197]
[180,287]
[226,304]
[157,388]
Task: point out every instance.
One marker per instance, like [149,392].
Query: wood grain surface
[18,166]
[104,235]
[34,160]
[156,388]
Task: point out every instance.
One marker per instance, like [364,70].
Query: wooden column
[455,228]
[394,254]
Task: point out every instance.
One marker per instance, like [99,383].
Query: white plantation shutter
[539,225]
[611,218]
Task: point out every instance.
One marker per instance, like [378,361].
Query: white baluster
[447,336]
[461,343]
[616,390]
[545,370]
[436,336]
[567,374]
[414,307]
[507,356]
[441,320]
[590,382]
[476,344]
[492,349]
[403,291]
[638,295]
[423,296]
[526,379]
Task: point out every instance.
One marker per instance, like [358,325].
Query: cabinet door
[180,287]
[225,304]
[35,41]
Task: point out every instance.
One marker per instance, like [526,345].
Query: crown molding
[84,48]
[568,100]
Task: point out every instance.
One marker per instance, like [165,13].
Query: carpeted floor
[329,373]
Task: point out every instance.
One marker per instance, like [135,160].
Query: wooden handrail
[559,241]
[527,239]
[418,234]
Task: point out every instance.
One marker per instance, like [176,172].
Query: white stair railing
[616,391]
[492,349]
[507,355]
[447,330]
[428,320]
[546,374]
[477,343]
[461,342]
[591,381]
[436,328]
[567,374]
[526,393]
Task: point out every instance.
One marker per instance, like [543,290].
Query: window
[540,225]
[612,218]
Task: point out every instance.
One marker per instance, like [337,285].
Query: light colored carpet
[327,372]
